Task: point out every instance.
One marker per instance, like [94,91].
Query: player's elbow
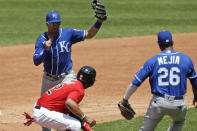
[36,64]
[91,33]
[194,82]
[89,36]
[37,60]
[69,102]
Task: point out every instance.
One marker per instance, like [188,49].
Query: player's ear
[172,43]
[47,24]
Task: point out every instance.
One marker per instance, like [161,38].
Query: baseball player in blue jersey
[53,48]
[168,72]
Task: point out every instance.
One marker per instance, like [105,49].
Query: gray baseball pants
[159,107]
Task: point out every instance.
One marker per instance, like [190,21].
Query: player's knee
[143,129]
[46,129]
[147,128]
[179,123]
[76,126]
[176,126]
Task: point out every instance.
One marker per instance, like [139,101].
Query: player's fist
[86,127]
[48,44]
[90,121]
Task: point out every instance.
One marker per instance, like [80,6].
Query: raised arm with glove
[100,14]
[99,9]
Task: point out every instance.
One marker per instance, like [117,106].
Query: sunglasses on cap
[54,23]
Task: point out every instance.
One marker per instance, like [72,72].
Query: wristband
[126,101]
[83,116]
[97,24]
[195,96]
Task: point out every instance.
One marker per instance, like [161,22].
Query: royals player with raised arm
[168,72]
[53,48]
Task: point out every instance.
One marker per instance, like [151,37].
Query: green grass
[135,124]
[22,21]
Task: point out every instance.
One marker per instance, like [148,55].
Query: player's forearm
[194,87]
[195,93]
[74,108]
[38,58]
[131,89]
[92,31]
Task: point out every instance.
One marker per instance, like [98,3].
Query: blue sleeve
[77,35]
[39,53]
[194,82]
[142,74]
[191,72]
[192,75]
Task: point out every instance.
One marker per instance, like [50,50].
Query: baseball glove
[126,110]
[99,10]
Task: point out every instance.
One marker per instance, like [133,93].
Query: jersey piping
[58,50]
[84,35]
[52,61]
[168,53]
[138,78]
[193,77]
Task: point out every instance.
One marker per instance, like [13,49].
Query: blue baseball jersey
[58,59]
[168,72]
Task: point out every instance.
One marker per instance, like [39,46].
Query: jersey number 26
[168,76]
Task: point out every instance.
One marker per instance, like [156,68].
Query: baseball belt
[57,77]
[37,107]
[163,95]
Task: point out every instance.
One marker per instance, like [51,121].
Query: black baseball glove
[99,10]
[126,110]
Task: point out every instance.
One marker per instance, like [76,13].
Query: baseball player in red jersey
[53,108]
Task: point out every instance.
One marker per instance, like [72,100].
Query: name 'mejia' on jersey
[172,60]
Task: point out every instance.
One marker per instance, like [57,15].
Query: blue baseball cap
[53,16]
[164,37]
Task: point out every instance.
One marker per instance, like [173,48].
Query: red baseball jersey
[54,99]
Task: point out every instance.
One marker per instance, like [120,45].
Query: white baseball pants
[55,120]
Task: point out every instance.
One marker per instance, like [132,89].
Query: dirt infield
[116,61]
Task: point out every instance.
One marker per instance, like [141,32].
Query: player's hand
[195,103]
[86,127]
[48,44]
[90,121]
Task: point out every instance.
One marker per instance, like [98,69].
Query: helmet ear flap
[80,77]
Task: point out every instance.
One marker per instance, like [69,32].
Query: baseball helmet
[53,16]
[87,75]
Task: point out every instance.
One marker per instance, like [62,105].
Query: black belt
[57,77]
[37,107]
[175,98]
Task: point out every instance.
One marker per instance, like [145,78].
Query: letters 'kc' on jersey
[58,59]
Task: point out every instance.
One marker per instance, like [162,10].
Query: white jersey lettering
[173,60]
[64,46]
